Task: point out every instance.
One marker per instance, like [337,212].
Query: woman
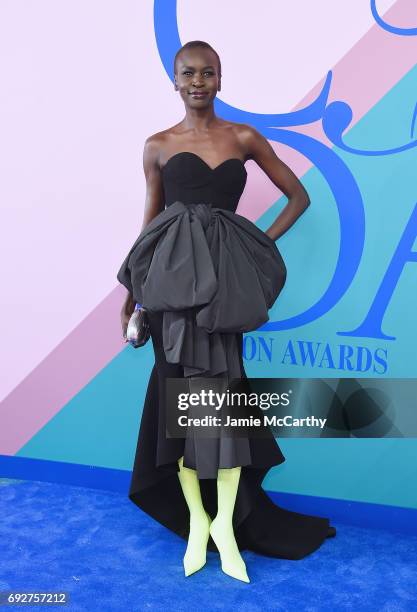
[208,492]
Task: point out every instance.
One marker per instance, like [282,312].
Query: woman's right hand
[127,310]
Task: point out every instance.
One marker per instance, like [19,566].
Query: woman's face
[197,77]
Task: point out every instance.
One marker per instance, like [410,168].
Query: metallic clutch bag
[138,331]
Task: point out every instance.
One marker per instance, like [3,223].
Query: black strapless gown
[201,199]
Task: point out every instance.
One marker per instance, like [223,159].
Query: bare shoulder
[155,144]
[251,140]
[153,148]
[248,137]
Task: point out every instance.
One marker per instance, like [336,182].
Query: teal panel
[99,426]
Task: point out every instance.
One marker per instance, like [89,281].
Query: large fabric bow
[212,273]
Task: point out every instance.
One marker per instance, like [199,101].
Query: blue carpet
[109,555]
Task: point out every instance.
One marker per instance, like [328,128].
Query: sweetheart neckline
[203,161]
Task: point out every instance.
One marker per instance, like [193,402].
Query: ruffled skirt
[259,524]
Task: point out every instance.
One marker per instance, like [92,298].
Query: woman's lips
[199,94]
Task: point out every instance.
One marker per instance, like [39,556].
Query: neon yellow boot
[221,529]
[196,553]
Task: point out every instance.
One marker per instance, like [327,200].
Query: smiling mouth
[198,93]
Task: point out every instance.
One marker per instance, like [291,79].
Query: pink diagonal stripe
[62,374]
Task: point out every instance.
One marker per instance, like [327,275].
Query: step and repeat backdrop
[334,92]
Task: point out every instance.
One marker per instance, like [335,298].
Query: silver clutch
[138,331]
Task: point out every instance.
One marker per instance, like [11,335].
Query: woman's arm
[259,149]
[154,198]
[154,204]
